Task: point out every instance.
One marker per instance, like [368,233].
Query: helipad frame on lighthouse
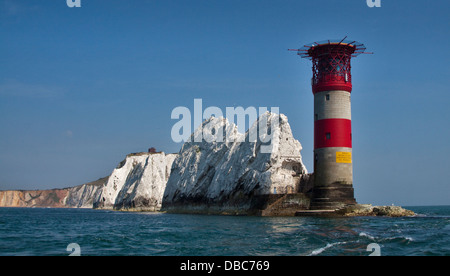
[332,87]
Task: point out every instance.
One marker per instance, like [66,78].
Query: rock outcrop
[235,175]
[379,211]
[137,184]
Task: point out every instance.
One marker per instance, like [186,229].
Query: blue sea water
[48,232]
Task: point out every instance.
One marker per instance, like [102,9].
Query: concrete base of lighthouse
[333,179]
[334,196]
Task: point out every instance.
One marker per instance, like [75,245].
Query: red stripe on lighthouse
[332,133]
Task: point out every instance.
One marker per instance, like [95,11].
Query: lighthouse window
[328,136]
[327,97]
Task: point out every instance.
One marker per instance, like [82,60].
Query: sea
[87,232]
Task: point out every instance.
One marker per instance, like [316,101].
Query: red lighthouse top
[331,63]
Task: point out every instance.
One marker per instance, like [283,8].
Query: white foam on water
[401,238]
[322,249]
[363,234]
[409,239]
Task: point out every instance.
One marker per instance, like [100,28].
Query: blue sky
[82,87]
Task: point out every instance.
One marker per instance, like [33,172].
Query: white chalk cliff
[232,174]
[137,184]
[226,172]
[83,196]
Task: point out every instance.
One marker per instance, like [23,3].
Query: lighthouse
[332,86]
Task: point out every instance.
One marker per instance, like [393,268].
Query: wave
[363,234]
[322,249]
[401,238]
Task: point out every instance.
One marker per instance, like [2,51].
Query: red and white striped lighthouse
[332,87]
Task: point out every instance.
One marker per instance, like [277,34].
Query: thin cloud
[18,89]
[10,7]
[68,133]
